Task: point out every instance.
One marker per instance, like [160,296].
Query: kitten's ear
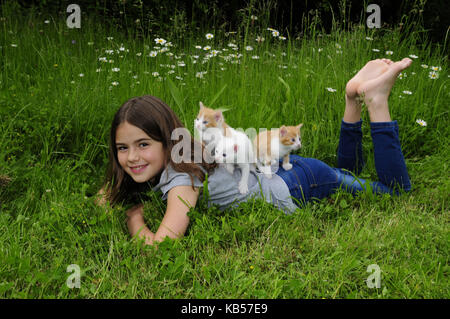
[299,126]
[218,116]
[201,105]
[283,131]
[235,148]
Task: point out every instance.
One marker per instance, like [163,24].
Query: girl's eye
[121,148]
[145,144]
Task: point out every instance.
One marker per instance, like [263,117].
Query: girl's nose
[133,155]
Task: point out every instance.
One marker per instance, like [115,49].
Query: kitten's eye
[224,155]
[205,122]
[293,140]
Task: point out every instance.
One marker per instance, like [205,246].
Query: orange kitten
[208,118]
[274,144]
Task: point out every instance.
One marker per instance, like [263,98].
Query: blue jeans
[310,178]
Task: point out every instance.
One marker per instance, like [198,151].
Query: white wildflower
[421,122]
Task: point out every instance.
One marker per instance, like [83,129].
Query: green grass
[53,137]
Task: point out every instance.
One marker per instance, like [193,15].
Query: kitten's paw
[287,166]
[243,188]
[267,171]
[230,168]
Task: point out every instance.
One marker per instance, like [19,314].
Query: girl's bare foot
[375,91]
[371,70]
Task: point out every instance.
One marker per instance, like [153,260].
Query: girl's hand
[137,210]
[135,221]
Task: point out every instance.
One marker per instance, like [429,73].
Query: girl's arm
[175,221]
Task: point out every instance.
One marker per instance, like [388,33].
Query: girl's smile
[138,154]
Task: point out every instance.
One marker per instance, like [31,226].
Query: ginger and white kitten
[232,151]
[272,145]
[209,123]
[215,133]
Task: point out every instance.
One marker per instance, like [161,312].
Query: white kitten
[237,150]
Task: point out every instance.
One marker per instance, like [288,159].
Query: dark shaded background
[432,17]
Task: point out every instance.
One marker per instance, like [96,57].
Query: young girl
[141,145]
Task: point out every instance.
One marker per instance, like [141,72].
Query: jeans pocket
[322,178]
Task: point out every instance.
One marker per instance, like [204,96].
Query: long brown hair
[158,121]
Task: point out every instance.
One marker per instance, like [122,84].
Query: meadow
[60,87]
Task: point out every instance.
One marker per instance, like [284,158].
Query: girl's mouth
[138,169]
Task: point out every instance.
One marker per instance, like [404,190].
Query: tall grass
[54,131]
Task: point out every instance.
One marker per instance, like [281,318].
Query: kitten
[272,145]
[231,151]
[209,124]
[217,134]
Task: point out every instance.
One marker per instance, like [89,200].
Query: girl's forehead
[127,132]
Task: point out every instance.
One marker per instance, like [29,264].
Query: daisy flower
[433,75]
[153,54]
[259,39]
[160,41]
[389,52]
[200,74]
[375,50]
[248,48]
[115,69]
[109,38]
[421,122]
[207,48]
[47,21]
[209,36]
[436,68]
[275,33]
[331,90]
[115,83]
[198,46]
[412,56]
[407,92]
[155,74]
[424,66]
[255,57]
[81,75]
[369,38]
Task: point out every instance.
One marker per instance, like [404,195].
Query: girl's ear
[283,131]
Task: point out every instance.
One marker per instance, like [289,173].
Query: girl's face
[139,155]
